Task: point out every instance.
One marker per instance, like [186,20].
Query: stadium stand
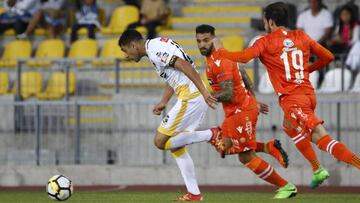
[333,81]
[56,87]
[4,83]
[14,50]
[265,85]
[120,19]
[46,49]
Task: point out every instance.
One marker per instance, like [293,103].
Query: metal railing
[121,132]
[97,79]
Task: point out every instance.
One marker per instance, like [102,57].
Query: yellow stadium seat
[120,19]
[233,43]
[4,83]
[56,87]
[10,32]
[102,16]
[2,10]
[250,73]
[51,48]
[40,32]
[83,48]
[31,83]
[109,52]
[14,50]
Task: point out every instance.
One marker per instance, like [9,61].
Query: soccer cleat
[188,197]
[274,148]
[216,141]
[319,177]
[288,191]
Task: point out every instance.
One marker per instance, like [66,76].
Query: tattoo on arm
[226,92]
[247,81]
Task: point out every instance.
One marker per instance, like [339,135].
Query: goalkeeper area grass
[159,197]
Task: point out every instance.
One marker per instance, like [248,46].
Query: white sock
[186,166]
[187,138]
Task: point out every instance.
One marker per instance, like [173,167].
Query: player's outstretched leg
[275,149]
[186,166]
[264,171]
[302,143]
[334,147]
[304,146]
[187,138]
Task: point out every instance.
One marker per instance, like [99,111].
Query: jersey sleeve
[161,54]
[247,54]
[224,71]
[324,55]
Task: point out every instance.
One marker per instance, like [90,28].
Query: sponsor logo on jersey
[239,129]
[163,56]
[288,43]
[217,62]
[165,119]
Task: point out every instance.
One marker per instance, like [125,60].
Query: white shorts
[185,115]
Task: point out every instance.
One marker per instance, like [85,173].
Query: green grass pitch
[158,197]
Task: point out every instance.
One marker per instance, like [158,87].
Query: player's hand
[217,43]
[263,108]
[210,100]
[158,108]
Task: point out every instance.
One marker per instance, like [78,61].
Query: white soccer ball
[59,188]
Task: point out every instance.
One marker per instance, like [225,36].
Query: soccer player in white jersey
[177,129]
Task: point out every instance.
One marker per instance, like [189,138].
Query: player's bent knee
[246,157]
[160,140]
[318,132]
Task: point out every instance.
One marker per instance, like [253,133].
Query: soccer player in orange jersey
[241,113]
[286,55]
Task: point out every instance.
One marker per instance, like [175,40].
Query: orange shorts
[241,129]
[299,110]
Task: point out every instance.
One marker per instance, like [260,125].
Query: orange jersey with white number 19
[287,60]
[286,57]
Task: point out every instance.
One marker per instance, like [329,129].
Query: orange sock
[260,147]
[338,150]
[304,146]
[265,172]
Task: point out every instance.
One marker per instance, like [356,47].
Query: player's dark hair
[278,12]
[204,28]
[129,36]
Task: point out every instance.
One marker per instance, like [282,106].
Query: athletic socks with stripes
[265,171]
[338,150]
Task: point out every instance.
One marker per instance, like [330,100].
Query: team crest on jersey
[163,56]
[288,43]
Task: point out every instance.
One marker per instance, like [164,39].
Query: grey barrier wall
[120,132]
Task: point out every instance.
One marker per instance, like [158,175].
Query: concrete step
[204,11]
[228,3]
[189,34]
[219,23]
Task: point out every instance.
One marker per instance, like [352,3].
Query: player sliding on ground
[286,55]
[241,113]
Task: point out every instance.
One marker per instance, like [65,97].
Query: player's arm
[324,56]
[226,92]
[247,81]
[194,76]
[249,85]
[168,93]
[239,56]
